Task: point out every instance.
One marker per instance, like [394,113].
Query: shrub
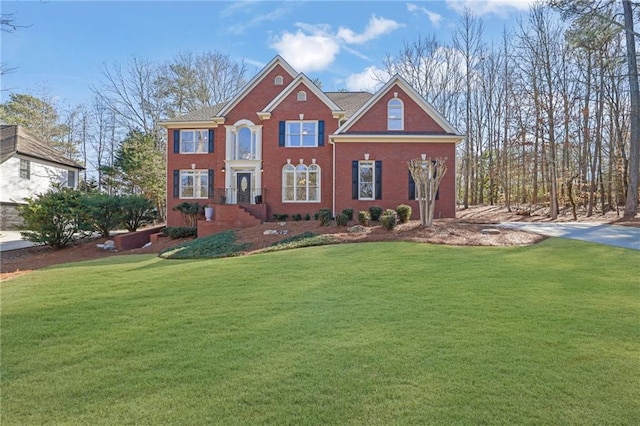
[104,212]
[342,219]
[280,217]
[348,213]
[307,216]
[325,217]
[404,213]
[55,217]
[389,219]
[137,211]
[297,217]
[375,212]
[175,232]
[364,218]
[189,212]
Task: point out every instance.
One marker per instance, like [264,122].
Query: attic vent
[278,81]
[302,96]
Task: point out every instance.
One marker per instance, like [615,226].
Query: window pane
[244,144]
[313,194]
[288,193]
[366,190]
[301,193]
[202,139]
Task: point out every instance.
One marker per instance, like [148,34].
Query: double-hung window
[194,183]
[194,141]
[300,183]
[25,169]
[302,134]
[366,174]
[366,183]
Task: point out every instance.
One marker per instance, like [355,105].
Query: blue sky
[64,44]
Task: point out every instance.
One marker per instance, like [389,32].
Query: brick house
[283,146]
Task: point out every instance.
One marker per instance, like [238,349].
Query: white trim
[302,79]
[193,124]
[411,92]
[391,138]
[277,60]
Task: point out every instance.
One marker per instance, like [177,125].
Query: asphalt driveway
[613,235]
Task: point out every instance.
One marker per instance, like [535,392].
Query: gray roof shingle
[15,140]
[350,102]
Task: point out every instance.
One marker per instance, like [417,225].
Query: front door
[243,184]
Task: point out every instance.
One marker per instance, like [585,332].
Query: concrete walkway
[601,233]
[12,240]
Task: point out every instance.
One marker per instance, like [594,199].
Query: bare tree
[427,174]
[191,81]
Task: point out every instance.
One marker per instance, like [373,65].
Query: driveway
[12,240]
[601,233]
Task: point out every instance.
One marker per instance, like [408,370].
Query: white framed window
[301,134]
[71,178]
[244,146]
[366,180]
[25,169]
[278,80]
[300,183]
[194,141]
[395,114]
[302,96]
[193,183]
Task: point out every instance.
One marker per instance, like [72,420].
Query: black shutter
[211,140]
[176,183]
[378,180]
[210,182]
[282,126]
[176,141]
[321,133]
[354,179]
[412,188]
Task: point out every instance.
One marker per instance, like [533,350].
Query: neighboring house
[28,167]
[283,146]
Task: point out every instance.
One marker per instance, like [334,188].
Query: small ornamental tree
[54,218]
[427,174]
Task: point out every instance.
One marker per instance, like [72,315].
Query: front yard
[372,333]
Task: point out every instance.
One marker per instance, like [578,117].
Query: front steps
[225,217]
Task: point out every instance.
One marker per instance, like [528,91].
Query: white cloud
[485,7]
[434,17]
[306,52]
[315,47]
[367,80]
[375,28]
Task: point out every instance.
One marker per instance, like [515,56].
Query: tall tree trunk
[631,206]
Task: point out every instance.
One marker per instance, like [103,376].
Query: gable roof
[277,60]
[304,80]
[15,140]
[413,94]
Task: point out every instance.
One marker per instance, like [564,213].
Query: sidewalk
[11,240]
[601,233]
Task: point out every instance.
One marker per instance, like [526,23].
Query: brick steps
[227,217]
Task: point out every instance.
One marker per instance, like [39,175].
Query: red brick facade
[266,104]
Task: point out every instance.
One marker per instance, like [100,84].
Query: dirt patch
[466,229]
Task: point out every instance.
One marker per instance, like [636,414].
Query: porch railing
[238,196]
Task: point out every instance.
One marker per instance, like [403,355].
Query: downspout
[333,177]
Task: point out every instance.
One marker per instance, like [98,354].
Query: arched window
[278,81]
[302,96]
[395,115]
[300,183]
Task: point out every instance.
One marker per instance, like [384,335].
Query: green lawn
[375,333]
